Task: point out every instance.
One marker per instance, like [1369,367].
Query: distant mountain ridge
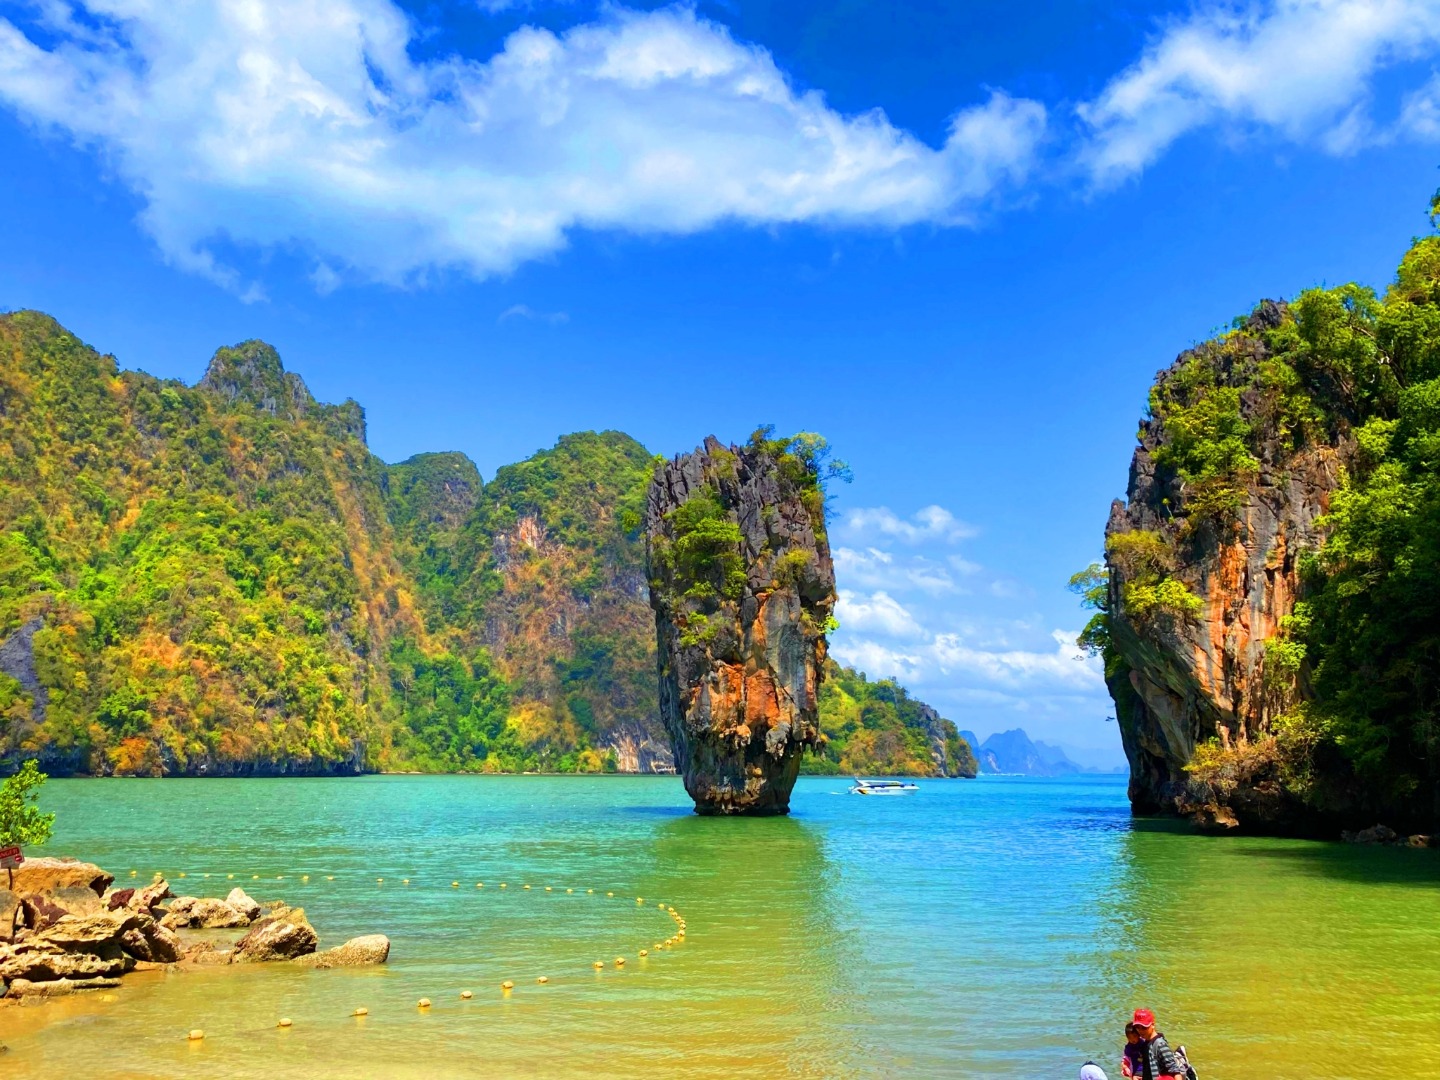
[1014,753]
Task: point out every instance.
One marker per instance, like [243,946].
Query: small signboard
[10,858]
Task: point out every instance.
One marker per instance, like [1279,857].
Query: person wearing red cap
[1157,1060]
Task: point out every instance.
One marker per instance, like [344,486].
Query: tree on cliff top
[21,821]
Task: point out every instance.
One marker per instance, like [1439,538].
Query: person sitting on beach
[1132,1063]
[1157,1060]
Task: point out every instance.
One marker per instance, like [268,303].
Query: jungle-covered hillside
[222,579]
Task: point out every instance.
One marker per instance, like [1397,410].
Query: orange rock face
[1179,681]
[741,625]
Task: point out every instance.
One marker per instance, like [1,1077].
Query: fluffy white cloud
[879,612]
[1302,68]
[1420,112]
[872,568]
[954,660]
[309,126]
[927,524]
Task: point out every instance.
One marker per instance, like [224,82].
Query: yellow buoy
[526,886]
[507,985]
[598,964]
[195,1035]
[466,995]
[502,885]
[454,884]
[423,1003]
[379,881]
[609,894]
[284,1022]
[543,979]
[329,877]
[254,877]
[589,890]
[619,961]
[182,873]
[639,899]
[570,890]
[548,889]
[659,945]
[479,884]
[303,877]
[643,952]
[132,873]
[660,905]
[404,881]
[279,877]
[361,1011]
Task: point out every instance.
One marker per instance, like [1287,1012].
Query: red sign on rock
[10,858]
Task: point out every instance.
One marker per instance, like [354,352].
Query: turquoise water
[998,928]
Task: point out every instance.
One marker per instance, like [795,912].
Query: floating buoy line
[196,1036]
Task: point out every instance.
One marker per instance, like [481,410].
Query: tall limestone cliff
[1269,618]
[743,588]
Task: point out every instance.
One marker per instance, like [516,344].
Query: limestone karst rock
[742,586]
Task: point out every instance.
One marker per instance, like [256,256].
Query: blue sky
[957,239]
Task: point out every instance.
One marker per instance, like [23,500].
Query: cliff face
[742,586]
[1272,607]
[1181,679]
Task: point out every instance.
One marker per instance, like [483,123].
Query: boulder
[47,908]
[47,875]
[205,913]
[1376,834]
[357,952]
[282,938]
[204,953]
[89,933]
[42,962]
[143,899]
[9,914]
[243,904]
[151,942]
[59,987]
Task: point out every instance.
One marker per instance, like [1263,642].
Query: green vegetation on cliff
[1345,384]
[222,579]
[878,729]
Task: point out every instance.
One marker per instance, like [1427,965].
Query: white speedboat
[882,787]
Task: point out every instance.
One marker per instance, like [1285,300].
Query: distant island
[1013,753]
[223,580]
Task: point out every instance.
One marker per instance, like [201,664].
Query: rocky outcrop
[71,937]
[742,586]
[1182,679]
[279,937]
[357,952]
[208,913]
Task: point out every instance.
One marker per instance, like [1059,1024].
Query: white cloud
[879,612]
[525,311]
[1420,112]
[265,124]
[872,568]
[1302,68]
[927,524]
[955,661]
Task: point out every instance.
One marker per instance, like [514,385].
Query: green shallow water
[992,928]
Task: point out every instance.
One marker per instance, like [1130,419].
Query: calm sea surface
[989,928]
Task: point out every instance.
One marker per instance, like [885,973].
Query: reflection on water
[1284,958]
[996,928]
